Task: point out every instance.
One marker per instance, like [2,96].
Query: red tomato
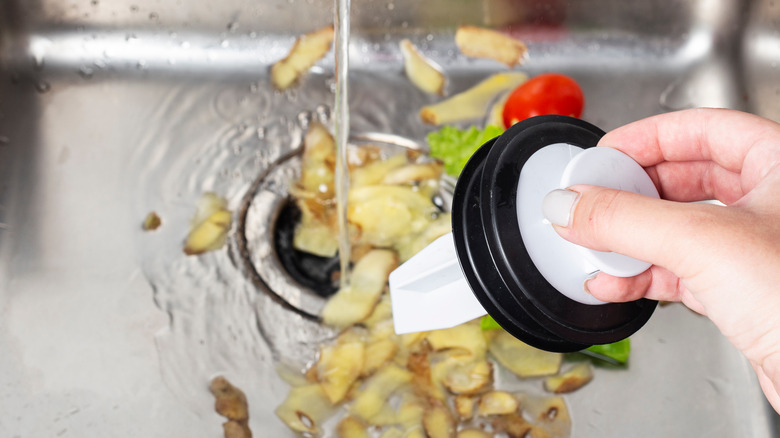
[549,93]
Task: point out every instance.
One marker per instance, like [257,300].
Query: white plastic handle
[563,264]
[607,167]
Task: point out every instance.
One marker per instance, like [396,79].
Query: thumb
[657,231]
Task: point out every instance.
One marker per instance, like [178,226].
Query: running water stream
[341,128]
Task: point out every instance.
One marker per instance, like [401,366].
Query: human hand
[721,261]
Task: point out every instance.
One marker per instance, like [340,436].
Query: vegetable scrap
[151,222]
[479,42]
[442,383]
[439,383]
[471,103]
[455,146]
[305,52]
[421,71]
[230,402]
[390,201]
[210,225]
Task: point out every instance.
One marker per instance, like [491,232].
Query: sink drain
[299,281]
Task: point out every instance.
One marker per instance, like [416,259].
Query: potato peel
[465,339]
[423,382]
[351,427]
[414,173]
[469,377]
[497,403]
[339,367]
[230,402]
[549,414]
[374,172]
[211,224]
[318,161]
[573,379]
[438,422]
[151,222]
[384,213]
[378,353]
[356,301]
[473,433]
[377,390]
[421,71]
[479,42]
[464,406]
[305,409]
[521,358]
[472,103]
[305,52]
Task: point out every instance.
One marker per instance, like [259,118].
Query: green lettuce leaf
[488,323]
[616,351]
[455,146]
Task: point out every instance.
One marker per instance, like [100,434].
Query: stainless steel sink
[112,109]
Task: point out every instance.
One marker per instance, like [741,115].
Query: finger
[621,289]
[767,385]
[738,142]
[661,232]
[689,181]
[656,283]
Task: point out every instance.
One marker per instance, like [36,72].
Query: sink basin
[110,110]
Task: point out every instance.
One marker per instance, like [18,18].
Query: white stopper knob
[563,264]
[607,167]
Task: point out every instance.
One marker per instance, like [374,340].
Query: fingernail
[558,206]
[588,280]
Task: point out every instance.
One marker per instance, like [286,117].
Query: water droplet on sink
[42,87]
[323,112]
[4,140]
[677,96]
[390,6]
[37,62]
[232,26]
[304,118]
[133,8]
[224,43]
[86,72]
